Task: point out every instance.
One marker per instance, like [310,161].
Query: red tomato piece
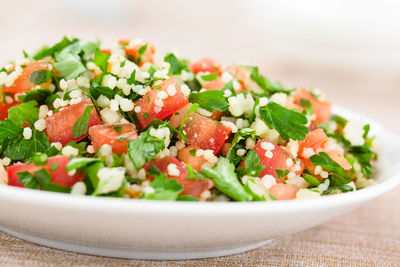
[284,191]
[322,110]
[178,116]
[196,162]
[205,64]
[59,125]
[110,134]
[4,109]
[276,162]
[59,175]
[22,83]
[206,133]
[173,102]
[314,139]
[147,55]
[215,85]
[194,187]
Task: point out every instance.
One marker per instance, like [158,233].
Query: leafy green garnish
[39,95]
[226,181]
[8,129]
[281,173]
[252,164]
[339,175]
[100,59]
[238,143]
[290,124]
[163,188]
[210,77]
[141,51]
[24,112]
[40,76]
[45,51]
[311,179]
[78,163]
[40,179]
[144,148]
[21,148]
[69,66]
[82,123]
[176,66]
[266,85]
[118,128]
[210,100]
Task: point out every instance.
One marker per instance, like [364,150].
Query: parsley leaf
[24,112]
[8,129]
[210,100]
[226,181]
[237,143]
[40,179]
[141,51]
[252,164]
[210,77]
[40,76]
[339,176]
[311,179]
[176,66]
[39,95]
[164,189]
[69,66]
[21,148]
[281,173]
[78,163]
[144,148]
[82,123]
[266,85]
[290,124]
[101,59]
[45,51]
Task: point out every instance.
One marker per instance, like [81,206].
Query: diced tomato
[148,108]
[124,41]
[314,139]
[215,85]
[322,110]
[116,136]
[106,51]
[205,64]
[178,116]
[206,133]
[4,109]
[22,83]
[194,187]
[59,175]
[284,191]
[339,158]
[59,125]
[185,155]
[276,162]
[147,55]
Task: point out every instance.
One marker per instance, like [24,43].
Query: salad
[129,122]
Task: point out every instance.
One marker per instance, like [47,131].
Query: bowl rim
[118,205]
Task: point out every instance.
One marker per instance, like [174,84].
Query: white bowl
[178,230]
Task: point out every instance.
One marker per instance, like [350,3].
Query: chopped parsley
[210,100]
[82,123]
[289,123]
[210,77]
[40,76]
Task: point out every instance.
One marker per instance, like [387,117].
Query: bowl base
[135,253]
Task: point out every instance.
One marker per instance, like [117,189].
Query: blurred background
[349,49]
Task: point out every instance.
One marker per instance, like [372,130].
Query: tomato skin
[59,176]
[178,116]
[147,55]
[22,83]
[284,191]
[194,187]
[205,64]
[106,134]
[4,109]
[277,162]
[59,125]
[322,110]
[215,85]
[195,161]
[171,103]
[206,133]
[314,139]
